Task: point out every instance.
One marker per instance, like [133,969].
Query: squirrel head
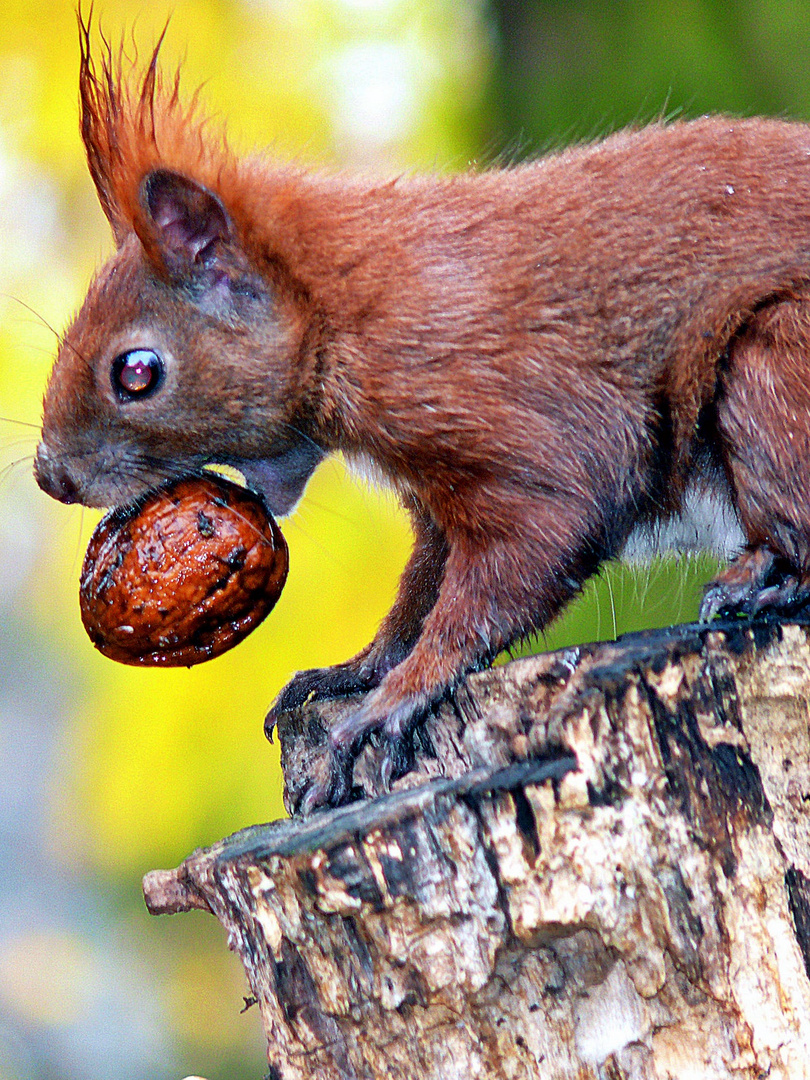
[186,350]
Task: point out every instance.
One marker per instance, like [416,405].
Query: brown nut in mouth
[183,575]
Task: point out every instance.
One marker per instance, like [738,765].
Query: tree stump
[599,868]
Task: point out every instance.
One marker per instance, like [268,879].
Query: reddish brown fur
[539,359]
[130,128]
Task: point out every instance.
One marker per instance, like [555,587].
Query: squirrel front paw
[318,683]
[395,725]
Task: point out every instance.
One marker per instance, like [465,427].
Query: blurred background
[107,772]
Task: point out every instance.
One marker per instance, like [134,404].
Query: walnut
[182,575]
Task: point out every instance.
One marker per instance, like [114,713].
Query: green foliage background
[133,769]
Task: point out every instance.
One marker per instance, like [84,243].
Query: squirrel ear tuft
[182,223]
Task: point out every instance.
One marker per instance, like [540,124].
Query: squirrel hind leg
[756,581]
[763,429]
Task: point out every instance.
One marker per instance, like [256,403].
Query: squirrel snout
[54,478]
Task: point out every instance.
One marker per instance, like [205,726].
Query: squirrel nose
[53,477]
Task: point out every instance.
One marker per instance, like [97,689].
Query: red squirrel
[539,359]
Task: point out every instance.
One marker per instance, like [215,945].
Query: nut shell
[182,575]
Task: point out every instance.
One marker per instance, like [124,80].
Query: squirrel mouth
[281,479]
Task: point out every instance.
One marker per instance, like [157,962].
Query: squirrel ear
[182,223]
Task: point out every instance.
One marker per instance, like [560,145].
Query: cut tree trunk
[599,868]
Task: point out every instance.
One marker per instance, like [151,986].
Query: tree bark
[599,868]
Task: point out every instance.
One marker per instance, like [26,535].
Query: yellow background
[107,772]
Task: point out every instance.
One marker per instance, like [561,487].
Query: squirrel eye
[136,373]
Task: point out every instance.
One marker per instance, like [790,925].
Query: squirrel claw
[332,790]
[782,596]
[397,759]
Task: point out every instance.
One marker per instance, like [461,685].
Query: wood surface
[599,869]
